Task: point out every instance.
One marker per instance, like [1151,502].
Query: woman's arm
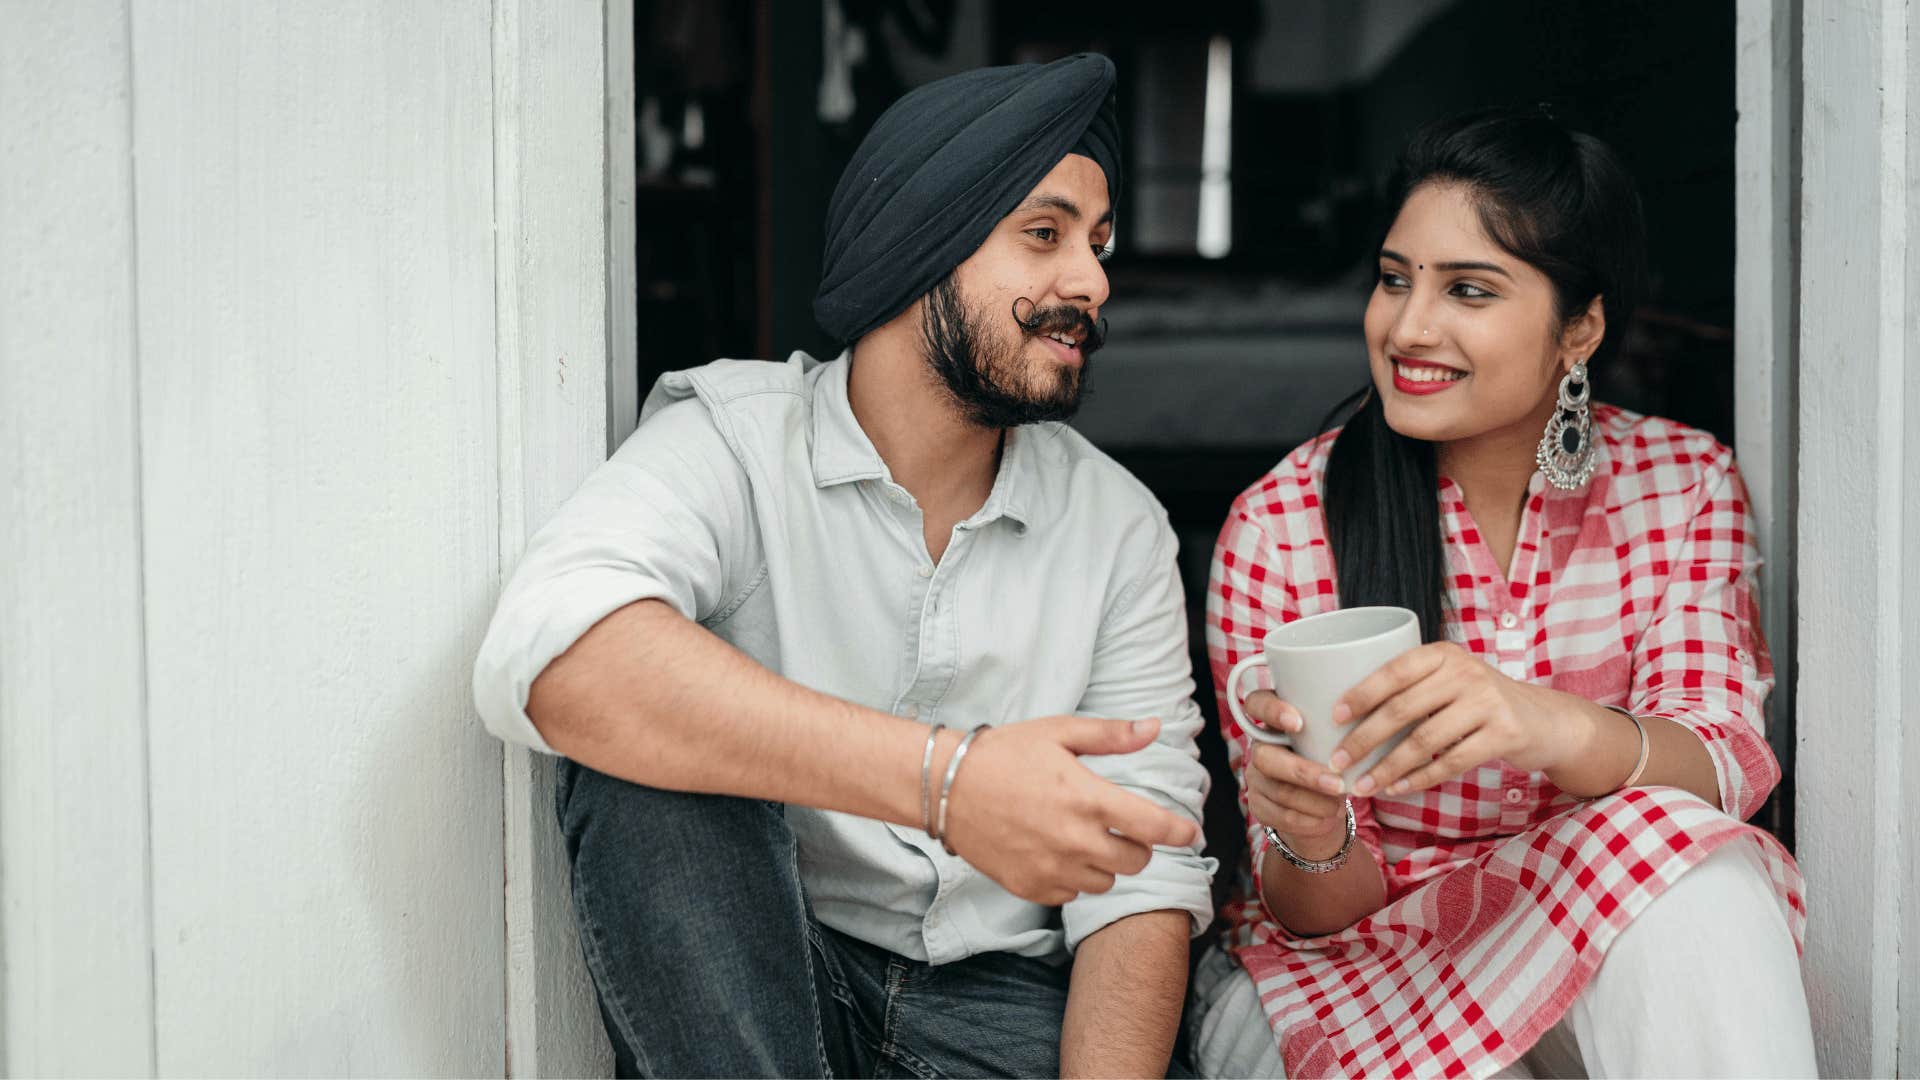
[1251,587]
[1700,679]
[1276,782]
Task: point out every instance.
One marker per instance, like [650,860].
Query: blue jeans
[708,960]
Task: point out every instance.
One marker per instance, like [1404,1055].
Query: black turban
[939,170]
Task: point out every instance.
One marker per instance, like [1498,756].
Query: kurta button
[912,712]
[1515,795]
[926,571]
[1509,620]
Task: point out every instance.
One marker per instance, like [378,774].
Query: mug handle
[1253,730]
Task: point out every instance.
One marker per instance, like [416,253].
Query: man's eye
[1103,252]
[1043,234]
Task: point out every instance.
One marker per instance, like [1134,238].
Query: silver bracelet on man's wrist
[946,787]
[1316,866]
[926,782]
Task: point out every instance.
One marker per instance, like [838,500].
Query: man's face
[1011,330]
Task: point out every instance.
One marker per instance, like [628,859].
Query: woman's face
[1463,338]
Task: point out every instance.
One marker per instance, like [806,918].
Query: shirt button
[1509,620]
[912,712]
[926,571]
[1515,796]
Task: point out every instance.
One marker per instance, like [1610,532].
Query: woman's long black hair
[1559,201]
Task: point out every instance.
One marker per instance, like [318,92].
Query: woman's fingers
[1267,710]
[1426,741]
[1392,677]
[1293,797]
[1282,764]
[1469,753]
[1289,821]
[1411,705]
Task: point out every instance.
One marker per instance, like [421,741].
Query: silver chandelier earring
[1566,450]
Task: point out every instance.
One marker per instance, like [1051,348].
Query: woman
[1552,864]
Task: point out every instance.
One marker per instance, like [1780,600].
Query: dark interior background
[1218,364]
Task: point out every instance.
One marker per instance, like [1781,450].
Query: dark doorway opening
[1257,131]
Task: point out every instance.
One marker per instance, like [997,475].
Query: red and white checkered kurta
[1503,892]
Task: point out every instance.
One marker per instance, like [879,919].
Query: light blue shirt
[752,501]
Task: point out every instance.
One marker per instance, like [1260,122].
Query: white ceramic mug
[1314,662]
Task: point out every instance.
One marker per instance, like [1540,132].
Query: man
[742,629]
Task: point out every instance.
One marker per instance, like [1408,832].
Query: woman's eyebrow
[1491,268]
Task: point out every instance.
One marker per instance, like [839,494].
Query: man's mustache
[1063,319]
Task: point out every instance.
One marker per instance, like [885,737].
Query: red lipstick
[1422,387]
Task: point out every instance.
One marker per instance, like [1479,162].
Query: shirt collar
[842,452]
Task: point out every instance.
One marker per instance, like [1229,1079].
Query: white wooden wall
[1859,524]
[76,984]
[302,325]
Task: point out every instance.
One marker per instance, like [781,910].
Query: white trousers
[1705,982]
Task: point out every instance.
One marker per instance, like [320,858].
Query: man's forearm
[1129,984]
[652,697]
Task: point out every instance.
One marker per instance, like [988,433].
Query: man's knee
[651,822]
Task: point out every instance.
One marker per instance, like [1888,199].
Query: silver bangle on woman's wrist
[1314,866]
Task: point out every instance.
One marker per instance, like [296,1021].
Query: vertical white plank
[623,308]
[76,988]
[550,91]
[315,268]
[1763,285]
[1907,957]
[1858,600]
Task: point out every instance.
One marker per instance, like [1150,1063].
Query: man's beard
[987,374]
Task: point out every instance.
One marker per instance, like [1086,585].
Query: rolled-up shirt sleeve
[667,518]
[1702,663]
[1141,669]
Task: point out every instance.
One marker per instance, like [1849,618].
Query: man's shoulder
[1078,481]
[726,383]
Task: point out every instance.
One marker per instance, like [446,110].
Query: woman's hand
[1294,797]
[1462,712]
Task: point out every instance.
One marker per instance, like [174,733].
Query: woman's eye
[1391,280]
[1042,234]
[1467,290]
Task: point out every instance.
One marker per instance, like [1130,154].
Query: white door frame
[1765,41]
[565,326]
[1858,511]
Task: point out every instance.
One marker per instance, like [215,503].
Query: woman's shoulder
[1285,501]
[1652,455]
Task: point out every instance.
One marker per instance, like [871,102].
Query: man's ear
[1583,334]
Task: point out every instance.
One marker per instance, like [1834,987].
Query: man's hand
[1027,814]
